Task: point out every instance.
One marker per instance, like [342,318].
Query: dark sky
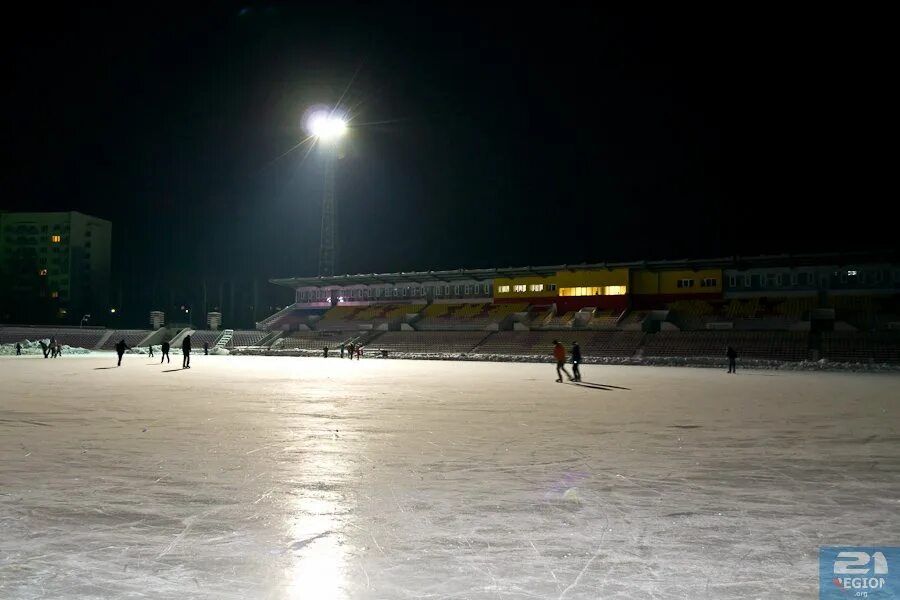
[481,137]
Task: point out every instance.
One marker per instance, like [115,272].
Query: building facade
[55,265]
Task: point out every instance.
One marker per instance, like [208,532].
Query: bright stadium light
[325,126]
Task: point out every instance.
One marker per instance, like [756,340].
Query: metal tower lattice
[328,249]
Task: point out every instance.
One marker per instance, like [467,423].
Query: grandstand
[132,337]
[250,337]
[314,340]
[783,345]
[77,338]
[438,317]
[198,338]
[768,308]
[540,343]
[366,316]
[862,347]
[426,342]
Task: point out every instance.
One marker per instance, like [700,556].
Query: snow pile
[32,348]
[660,361]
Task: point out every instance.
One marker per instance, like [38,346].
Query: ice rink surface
[284,478]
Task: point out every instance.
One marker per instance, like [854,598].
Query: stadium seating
[348,318]
[201,336]
[692,314]
[604,319]
[539,316]
[540,343]
[560,321]
[468,316]
[314,340]
[245,338]
[428,341]
[742,309]
[773,345]
[635,317]
[132,337]
[77,338]
[795,307]
[862,347]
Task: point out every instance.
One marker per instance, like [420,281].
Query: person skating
[351,348]
[18,349]
[342,349]
[576,361]
[52,347]
[325,351]
[165,353]
[150,351]
[121,347]
[186,352]
[205,348]
[358,352]
[58,349]
[44,348]
[559,353]
[731,353]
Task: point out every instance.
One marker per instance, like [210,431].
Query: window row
[603,290]
[521,288]
[474,290]
[806,278]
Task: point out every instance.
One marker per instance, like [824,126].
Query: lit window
[55,239]
[520,287]
[614,290]
[536,287]
[851,273]
[42,272]
[54,294]
[502,289]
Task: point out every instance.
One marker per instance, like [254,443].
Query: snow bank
[34,348]
[698,361]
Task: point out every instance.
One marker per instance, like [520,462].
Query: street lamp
[327,128]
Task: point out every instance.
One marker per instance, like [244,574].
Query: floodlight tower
[328,129]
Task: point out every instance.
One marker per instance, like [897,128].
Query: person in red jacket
[559,353]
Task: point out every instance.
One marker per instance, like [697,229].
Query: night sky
[481,137]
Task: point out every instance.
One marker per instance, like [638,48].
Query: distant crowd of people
[559,353]
[53,349]
[348,350]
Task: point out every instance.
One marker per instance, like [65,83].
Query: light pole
[327,129]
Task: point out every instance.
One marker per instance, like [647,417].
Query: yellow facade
[703,281]
[645,282]
[535,287]
[615,281]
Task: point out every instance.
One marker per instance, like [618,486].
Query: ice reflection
[317,527]
[318,556]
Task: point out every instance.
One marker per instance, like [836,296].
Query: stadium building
[56,265]
[795,307]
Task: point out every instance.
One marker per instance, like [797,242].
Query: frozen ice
[282,478]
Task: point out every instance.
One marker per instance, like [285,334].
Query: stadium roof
[734,262]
